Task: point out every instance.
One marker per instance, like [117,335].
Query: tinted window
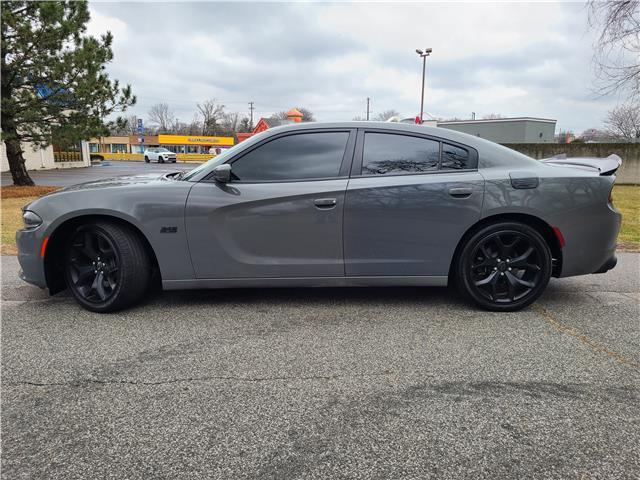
[294,157]
[392,154]
[455,158]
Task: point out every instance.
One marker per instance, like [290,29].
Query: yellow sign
[194,140]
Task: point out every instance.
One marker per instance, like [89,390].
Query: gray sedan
[333,204]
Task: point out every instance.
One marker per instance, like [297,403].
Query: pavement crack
[213,378]
[582,338]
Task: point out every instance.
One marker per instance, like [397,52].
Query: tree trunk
[16,163]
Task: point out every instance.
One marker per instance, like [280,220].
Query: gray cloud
[286,54]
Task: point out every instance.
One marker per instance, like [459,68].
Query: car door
[410,199]
[281,214]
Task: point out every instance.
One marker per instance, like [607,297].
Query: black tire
[160,160]
[146,159]
[173,161]
[504,267]
[107,267]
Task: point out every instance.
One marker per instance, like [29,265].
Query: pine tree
[54,82]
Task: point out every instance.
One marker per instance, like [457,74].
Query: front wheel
[504,266]
[160,160]
[106,266]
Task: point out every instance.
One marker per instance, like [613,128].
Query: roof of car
[498,154]
[443,133]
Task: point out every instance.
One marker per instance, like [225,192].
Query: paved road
[72,176]
[353,383]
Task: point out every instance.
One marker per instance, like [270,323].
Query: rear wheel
[504,267]
[106,266]
[146,159]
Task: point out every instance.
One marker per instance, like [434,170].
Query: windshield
[163,150]
[217,160]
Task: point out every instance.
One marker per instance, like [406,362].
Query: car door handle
[325,202]
[460,192]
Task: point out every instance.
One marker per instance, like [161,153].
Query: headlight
[30,219]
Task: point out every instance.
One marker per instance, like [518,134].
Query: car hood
[126,180]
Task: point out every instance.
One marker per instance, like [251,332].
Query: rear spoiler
[604,166]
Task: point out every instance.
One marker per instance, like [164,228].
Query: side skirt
[429,281]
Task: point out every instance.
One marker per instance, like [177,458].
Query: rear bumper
[608,265]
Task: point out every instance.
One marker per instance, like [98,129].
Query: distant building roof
[489,120]
[294,112]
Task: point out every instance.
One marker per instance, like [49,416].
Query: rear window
[456,158]
[393,154]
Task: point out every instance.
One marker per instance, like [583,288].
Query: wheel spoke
[519,281]
[85,274]
[490,279]
[99,286]
[521,259]
[88,248]
[505,248]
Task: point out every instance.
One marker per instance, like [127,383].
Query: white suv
[160,155]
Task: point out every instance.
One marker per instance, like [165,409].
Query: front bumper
[28,243]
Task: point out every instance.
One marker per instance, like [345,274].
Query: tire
[173,161]
[160,160]
[120,259]
[504,267]
[146,159]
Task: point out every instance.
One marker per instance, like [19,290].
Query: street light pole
[424,55]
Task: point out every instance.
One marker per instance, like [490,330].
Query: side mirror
[222,173]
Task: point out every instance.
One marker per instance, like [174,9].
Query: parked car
[160,155]
[335,204]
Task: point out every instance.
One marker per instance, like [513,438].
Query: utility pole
[424,55]
[367,108]
[251,115]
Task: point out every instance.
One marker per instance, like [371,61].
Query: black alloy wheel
[160,160]
[505,267]
[146,159]
[107,267]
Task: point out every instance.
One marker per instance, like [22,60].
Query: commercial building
[49,158]
[507,130]
[186,144]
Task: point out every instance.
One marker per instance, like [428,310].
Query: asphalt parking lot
[72,176]
[323,383]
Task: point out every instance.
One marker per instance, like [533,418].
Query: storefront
[181,143]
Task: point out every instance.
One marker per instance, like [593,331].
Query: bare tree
[245,125]
[229,123]
[162,117]
[386,115]
[307,115]
[212,113]
[617,49]
[624,121]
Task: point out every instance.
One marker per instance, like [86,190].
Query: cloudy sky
[514,59]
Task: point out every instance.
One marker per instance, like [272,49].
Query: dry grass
[24,192]
[626,198]
[10,222]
